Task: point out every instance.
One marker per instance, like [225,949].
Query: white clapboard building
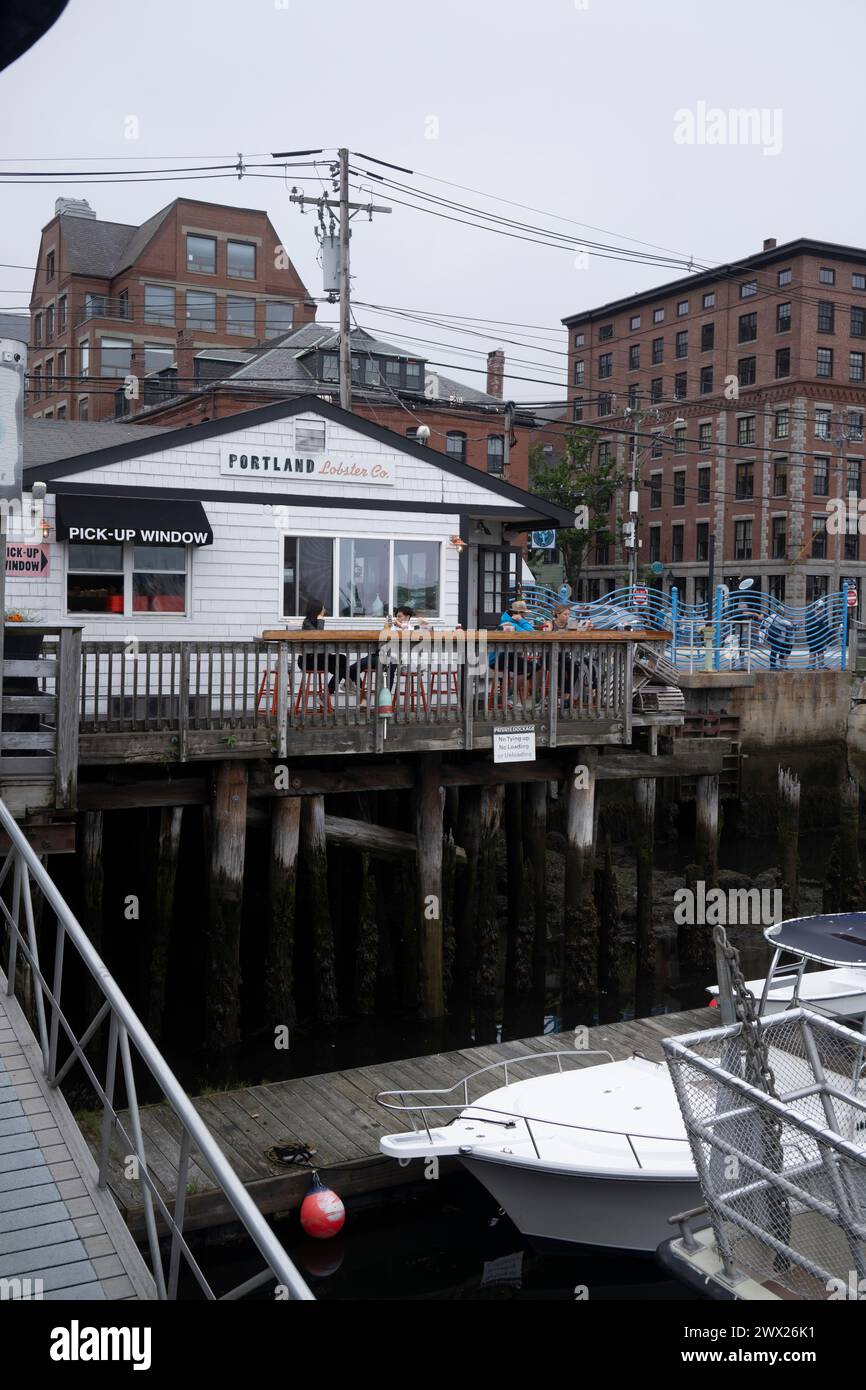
[224,529]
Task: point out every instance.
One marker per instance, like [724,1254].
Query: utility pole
[637,417]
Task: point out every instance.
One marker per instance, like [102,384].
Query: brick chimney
[495,373]
[769,243]
[185,365]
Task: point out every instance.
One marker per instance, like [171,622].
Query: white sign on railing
[514,743]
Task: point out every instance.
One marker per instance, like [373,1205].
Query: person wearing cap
[517,618]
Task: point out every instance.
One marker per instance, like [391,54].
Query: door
[498,571]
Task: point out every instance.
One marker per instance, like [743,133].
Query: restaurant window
[780,477]
[201,254]
[159,578]
[240,315]
[279,319]
[745,486]
[308,573]
[416,576]
[94,579]
[742,540]
[495,453]
[679,496]
[704,475]
[241,260]
[116,356]
[779,537]
[819,537]
[821,478]
[310,436]
[159,304]
[200,311]
[676,544]
[127,579]
[702,540]
[455,445]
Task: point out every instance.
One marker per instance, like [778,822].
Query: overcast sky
[569,106]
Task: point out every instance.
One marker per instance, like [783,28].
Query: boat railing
[426,1108]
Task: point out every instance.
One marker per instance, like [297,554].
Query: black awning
[98,517]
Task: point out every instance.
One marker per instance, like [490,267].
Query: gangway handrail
[124,1028]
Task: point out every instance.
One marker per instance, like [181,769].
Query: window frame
[126,571]
[247,246]
[192,269]
[332,600]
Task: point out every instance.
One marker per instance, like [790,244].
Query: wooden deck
[56,1226]
[338,1114]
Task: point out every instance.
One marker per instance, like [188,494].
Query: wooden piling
[843,887]
[487,925]
[519,914]
[644,792]
[466,901]
[580,926]
[228,847]
[165,879]
[707,827]
[282,892]
[607,904]
[789,837]
[429,807]
[535,838]
[315,865]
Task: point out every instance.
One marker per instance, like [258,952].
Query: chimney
[184,362]
[769,243]
[495,373]
[73,207]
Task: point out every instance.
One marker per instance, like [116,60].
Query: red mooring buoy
[322,1212]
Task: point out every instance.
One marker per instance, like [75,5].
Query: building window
[858,323]
[308,574]
[783,362]
[748,328]
[819,537]
[159,578]
[851,546]
[49,375]
[821,477]
[680,440]
[679,495]
[676,544]
[852,477]
[658,315]
[632,397]
[455,445]
[746,429]
[602,551]
[776,587]
[816,587]
[681,348]
[780,477]
[159,304]
[126,579]
[605,365]
[605,332]
[702,540]
[579,340]
[36,377]
[61,371]
[681,386]
[633,357]
[783,318]
[604,404]
[858,282]
[495,453]
[201,254]
[656,387]
[742,540]
[279,319]
[116,356]
[655,544]
[84,408]
[822,422]
[656,447]
[655,491]
[855,426]
[95,579]
[855,366]
[748,288]
[49,266]
[705,437]
[310,436]
[826,316]
[658,352]
[414,376]
[577,408]
[61,415]
[781,424]
[579,372]
[37,331]
[704,473]
[826,276]
[84,357]
[682,308]
[746,368]
[706,380]
[824,365]
[634,322]
[603,462]
[62,316]
[200,311]
[49,323]
[783,277]
[241,260]
[708,337]
[745,487]
[240,316]
[779,537]
[709,301]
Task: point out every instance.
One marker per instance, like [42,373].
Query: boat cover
[834,938]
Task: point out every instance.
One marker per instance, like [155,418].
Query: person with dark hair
[332,662]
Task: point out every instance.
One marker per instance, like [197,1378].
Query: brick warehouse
[764,363]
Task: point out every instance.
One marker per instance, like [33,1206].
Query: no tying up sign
[514,743]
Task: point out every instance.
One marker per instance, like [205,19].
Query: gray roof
[45,441]
[139,239]
[15,326]
[91,247]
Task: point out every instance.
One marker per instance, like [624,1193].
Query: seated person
[515,619]
[332,662]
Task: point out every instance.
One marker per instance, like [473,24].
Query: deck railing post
[183,702]
[108,1109]
[68,700]
[283,699]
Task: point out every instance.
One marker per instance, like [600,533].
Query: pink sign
[33,561]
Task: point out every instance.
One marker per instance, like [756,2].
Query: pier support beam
[609,954]
[518,953]
[466,901]
[228,848]
[167,854]
[580,924]
[707,828]
[487,928]
[843,888]
[789,840]
[282,889]
[315,859]
[535,838]
[644,839]
[429,807]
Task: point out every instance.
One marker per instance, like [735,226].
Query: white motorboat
[596,1156]
[836,941]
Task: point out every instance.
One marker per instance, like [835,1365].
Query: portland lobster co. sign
[288,470]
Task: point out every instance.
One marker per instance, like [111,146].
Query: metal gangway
[741,629]
[61,1234]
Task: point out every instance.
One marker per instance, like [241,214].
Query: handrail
[125,1028]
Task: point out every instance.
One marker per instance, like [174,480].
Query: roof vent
[73,207]
[769,243]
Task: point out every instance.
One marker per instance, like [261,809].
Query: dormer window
[330,366]
[413,376]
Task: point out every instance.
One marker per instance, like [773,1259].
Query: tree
[584,478]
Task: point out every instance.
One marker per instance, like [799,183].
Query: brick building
[390,387]
[745,387]
[112,301]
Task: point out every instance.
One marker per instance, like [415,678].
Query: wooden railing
[41,672]
[354,692]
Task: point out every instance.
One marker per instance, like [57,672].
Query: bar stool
[268,689]
[313,688]
[413,689]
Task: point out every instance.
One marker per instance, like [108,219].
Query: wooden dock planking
[338,1114]
[56,1226]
